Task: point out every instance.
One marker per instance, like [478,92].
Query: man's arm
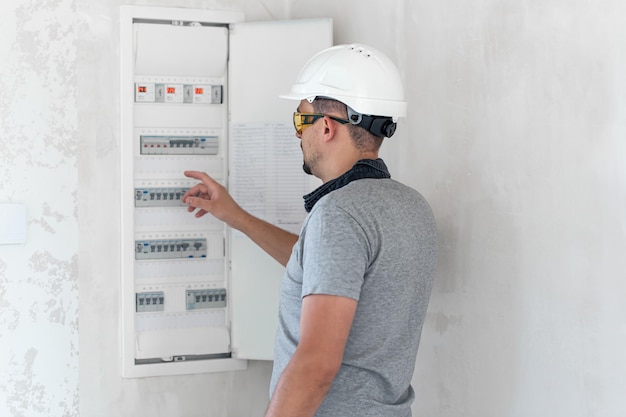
[324,329]
[211,197]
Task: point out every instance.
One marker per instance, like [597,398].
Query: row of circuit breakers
[178,94]
[172,196]
[155,301]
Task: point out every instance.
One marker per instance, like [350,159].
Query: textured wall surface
[38,154]
[519,127]
[515,135]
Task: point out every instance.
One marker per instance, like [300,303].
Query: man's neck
[341,167]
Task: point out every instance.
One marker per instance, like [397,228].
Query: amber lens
[297,122]
[302,120]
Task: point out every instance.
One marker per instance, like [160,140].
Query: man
[358,277]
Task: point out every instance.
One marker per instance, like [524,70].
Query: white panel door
[265,164]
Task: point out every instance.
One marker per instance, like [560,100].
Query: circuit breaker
[199,91]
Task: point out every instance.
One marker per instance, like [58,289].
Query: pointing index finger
[202,176]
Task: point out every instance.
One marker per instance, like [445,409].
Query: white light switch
[12,224]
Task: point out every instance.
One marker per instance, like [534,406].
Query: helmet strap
[376,125]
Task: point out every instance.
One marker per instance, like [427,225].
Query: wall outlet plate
[12,224]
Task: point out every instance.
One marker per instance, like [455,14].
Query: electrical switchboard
[199,92]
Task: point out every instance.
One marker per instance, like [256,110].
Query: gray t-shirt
[373,240]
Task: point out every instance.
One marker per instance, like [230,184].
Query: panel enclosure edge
[130,367]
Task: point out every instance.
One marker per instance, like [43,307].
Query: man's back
[373,240]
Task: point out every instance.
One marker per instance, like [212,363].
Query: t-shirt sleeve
[335,253]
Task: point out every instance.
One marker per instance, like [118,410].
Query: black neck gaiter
[364,168]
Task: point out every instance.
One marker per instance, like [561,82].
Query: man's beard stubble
[306,168]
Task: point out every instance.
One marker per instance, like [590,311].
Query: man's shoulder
[370,190]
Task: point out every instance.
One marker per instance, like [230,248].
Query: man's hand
[211,197]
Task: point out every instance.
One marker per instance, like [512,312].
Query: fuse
[178,93]
[160,197]
[179,145]
[170,249]
[149,301]
[207,298]
[144,92]
[174,93]
[207,94]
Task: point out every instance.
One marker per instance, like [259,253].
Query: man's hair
[362,139]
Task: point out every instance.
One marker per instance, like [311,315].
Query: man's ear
[330,129]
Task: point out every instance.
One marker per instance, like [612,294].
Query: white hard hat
[361,77]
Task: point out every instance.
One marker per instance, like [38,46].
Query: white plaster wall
[38,155]
[520,121]
[515,135]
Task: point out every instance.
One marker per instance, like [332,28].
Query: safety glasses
[304,120]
